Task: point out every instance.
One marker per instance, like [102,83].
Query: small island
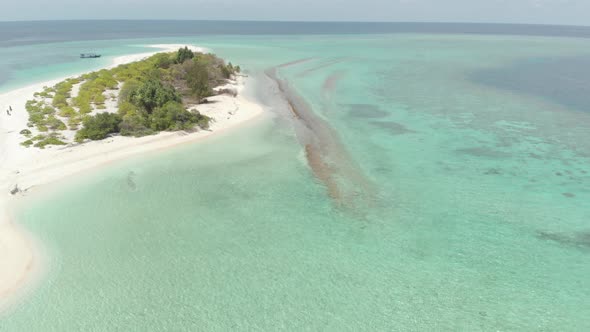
[160,93]
[139,104]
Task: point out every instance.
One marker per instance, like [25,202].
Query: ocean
[405,178]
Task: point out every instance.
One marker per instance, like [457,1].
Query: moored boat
[89,55]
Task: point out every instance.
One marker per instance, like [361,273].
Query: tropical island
[138,104]
[160,93]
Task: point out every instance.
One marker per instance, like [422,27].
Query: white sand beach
[29,168]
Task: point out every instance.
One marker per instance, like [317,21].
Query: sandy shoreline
[30,168]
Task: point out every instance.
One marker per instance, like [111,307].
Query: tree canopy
[184,54]
[99,126]
[152,94]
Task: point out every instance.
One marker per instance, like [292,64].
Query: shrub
[197,79]
[229,70]
[127,90]
[54,123]
[48,110]
[153,93]
[99,126]
[38,137]
[99,99]
[49,141]
[127,108]
[74,122]
[25,132]
[67,112]
[52,139]
[59,101]
[134,124]
[171,116]
[83,103]
[184,54]
[164,60]
[215,68]
[226,72]
[27,143]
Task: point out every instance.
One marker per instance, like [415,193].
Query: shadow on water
[326,155]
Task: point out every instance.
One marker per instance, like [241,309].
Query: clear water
[477,220]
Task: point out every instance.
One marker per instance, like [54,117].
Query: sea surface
[405,180]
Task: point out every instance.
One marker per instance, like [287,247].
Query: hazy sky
[514,11]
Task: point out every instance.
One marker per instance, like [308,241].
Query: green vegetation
[173,116]
[25,132]
[152,97]
[54,123]
[184,54]
[197,79]
[99,127]
[92,90]
[152,94]
[51,139]
[63,91]
[153,106]
[27,143]
[43,140]
[135,123]
[41,115]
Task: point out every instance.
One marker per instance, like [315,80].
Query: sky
[570,12]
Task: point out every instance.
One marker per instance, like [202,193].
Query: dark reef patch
[131,183]
[561,80]
[484,152]
[295,62]
[365,111]
[391,127]
[321,65]
[493,171]
[579,239]
[331,82]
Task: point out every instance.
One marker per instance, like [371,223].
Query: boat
[89,55]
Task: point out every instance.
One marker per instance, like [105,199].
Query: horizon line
[299,21]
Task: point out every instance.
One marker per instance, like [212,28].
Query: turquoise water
[469,191]
[38,63]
